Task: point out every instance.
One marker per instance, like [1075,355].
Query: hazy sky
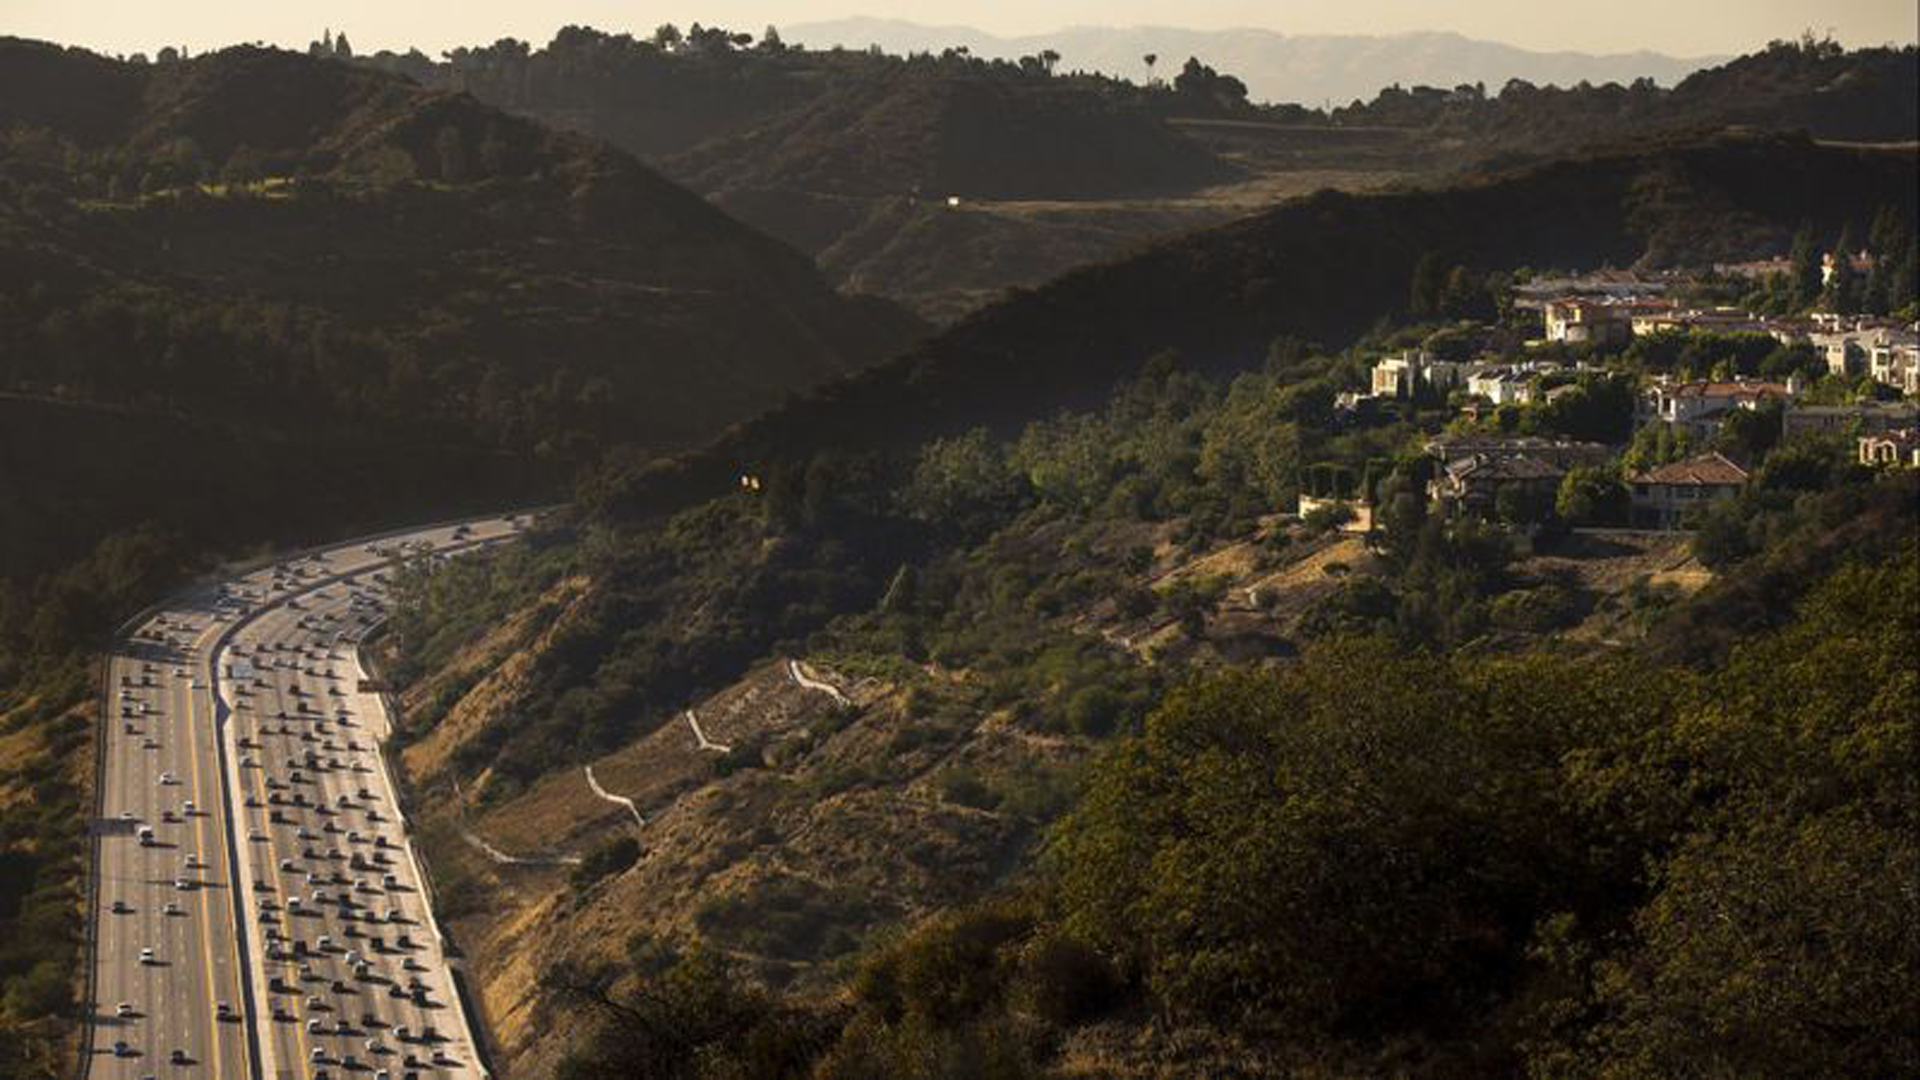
[1676,27]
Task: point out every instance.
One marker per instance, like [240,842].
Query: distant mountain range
[1310,69]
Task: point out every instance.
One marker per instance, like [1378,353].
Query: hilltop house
[1893,358]
[1476,469]
[1449,449]
[1899,448]
[1578,319]
[1717,320]
[1403,376]
[1501,385]
[1865,418]
[1662,496]
[1698,407]
[1841,351]
[1890,353]
[1475,484]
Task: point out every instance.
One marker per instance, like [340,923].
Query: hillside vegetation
[851,155]
[259,298]
[996,614]
[1322,268]
[1009,550]
[302,254]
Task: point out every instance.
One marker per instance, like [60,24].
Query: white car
[124,1009]
[167,779]
[146,956]
[170,908]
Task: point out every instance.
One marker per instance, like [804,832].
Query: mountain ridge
[1308,69]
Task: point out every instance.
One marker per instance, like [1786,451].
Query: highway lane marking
[183,739]
[274,857]
[200,837]
[267,964]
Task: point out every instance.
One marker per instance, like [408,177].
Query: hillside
[922,131]
[271,243]
[1307,69]
[1320,268]
[851,155]
[258,298]
[862,692]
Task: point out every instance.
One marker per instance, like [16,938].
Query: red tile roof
[1707,470]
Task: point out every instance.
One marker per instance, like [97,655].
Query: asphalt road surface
[260,912]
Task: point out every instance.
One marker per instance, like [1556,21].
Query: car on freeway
[120,907]
[123,1010]
[146,955]
[171,907]
[167,779]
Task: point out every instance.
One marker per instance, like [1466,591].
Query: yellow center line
[206,919]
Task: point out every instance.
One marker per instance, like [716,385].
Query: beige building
[1402,376]
[1663,496]
[1899,449]
[1866,418]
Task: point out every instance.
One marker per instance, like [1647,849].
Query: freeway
[259,910]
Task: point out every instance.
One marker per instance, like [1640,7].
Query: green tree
[1592,495]
[1803,268]
[1426,294]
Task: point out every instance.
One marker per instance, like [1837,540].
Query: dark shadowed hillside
[917,130]
[278,244]
[1318,268]
[850,155]
[260,298]
[1490,835]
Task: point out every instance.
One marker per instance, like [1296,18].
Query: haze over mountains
[1310,69]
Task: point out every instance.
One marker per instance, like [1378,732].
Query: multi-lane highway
[259,909]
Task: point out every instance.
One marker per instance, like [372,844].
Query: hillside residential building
[1403,376]
[1536,294]
[1663,496]
[1718,321]
[1856,346]
[1699,407]
[1899,448]
[1841,350]
[1501,385]
[1453,449]
[1579,319]
[1866,418]
[1893,359]
[1474,484]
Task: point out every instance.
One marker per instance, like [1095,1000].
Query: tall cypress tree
[1803,268]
